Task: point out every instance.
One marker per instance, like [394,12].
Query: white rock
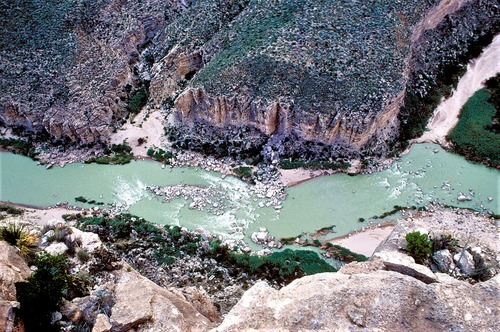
[56,248]
[89,240]
[465,262]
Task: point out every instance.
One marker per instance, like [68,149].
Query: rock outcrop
[142,305]
[390,292]
[375,301]
[12,269]
[69,68]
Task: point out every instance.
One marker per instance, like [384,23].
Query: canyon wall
[307,79]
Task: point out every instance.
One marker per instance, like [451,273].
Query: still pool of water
[419,177]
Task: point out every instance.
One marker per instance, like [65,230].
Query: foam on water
[129,192]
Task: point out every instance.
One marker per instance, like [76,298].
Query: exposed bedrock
[337,91]
[68,68]
[327,79]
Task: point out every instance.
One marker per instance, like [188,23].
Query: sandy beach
[149,128]
[292,177]
[364,242]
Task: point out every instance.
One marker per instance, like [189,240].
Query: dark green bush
[44,290]
[343,254]
[418,246]
[471,137]
[138,100]
[160,155]
[19,146]
[117,154]
[243,171]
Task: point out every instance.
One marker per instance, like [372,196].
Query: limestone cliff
[309,79]
[68,68]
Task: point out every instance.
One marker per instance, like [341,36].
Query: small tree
[418,246]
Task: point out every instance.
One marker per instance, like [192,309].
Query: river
[426,173]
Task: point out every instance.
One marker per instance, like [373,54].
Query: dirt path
[149,129]
[445,116]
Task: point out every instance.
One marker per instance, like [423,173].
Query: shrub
[83,255]
[471,137]
[117,154]
[15,235]
[243,171]
[160,155]
[138,100]
[43,291]
[418,246]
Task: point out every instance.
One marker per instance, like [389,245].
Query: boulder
[465,262]
[401,263]
[13,269]
[90,241]
[142,305]
[372,301]
[56,248]
[8,315]
[102,324]
[444,260]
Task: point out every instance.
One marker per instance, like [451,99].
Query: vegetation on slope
[472,136]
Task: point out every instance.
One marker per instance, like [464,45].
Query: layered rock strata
[307,80]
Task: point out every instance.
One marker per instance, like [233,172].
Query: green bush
[44,290]
[117,154]
[19,146]
[160,155]
[343,254]
[15,235]
[471,137]
[243,171]
[138,100]
[418,246]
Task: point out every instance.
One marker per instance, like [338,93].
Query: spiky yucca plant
[16,235]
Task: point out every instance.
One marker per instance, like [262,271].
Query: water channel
[426,173]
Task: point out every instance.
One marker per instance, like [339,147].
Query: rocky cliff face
[69,68]
[12,269]
[321,80]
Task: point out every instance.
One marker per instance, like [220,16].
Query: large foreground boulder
[12,269]
[376,301]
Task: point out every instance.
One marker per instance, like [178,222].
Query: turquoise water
[420,176]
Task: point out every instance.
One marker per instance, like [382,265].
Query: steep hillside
[302,79]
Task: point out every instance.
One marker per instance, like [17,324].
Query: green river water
[417,178]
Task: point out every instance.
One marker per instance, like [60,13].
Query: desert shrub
[444,241]
[19,146]
[343,254]
[10,210]
[16,235]
[418,246]
[119,227]
[243,171]
[160,155]
[44,290]
[138,100]
[117,154]
[83,255]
